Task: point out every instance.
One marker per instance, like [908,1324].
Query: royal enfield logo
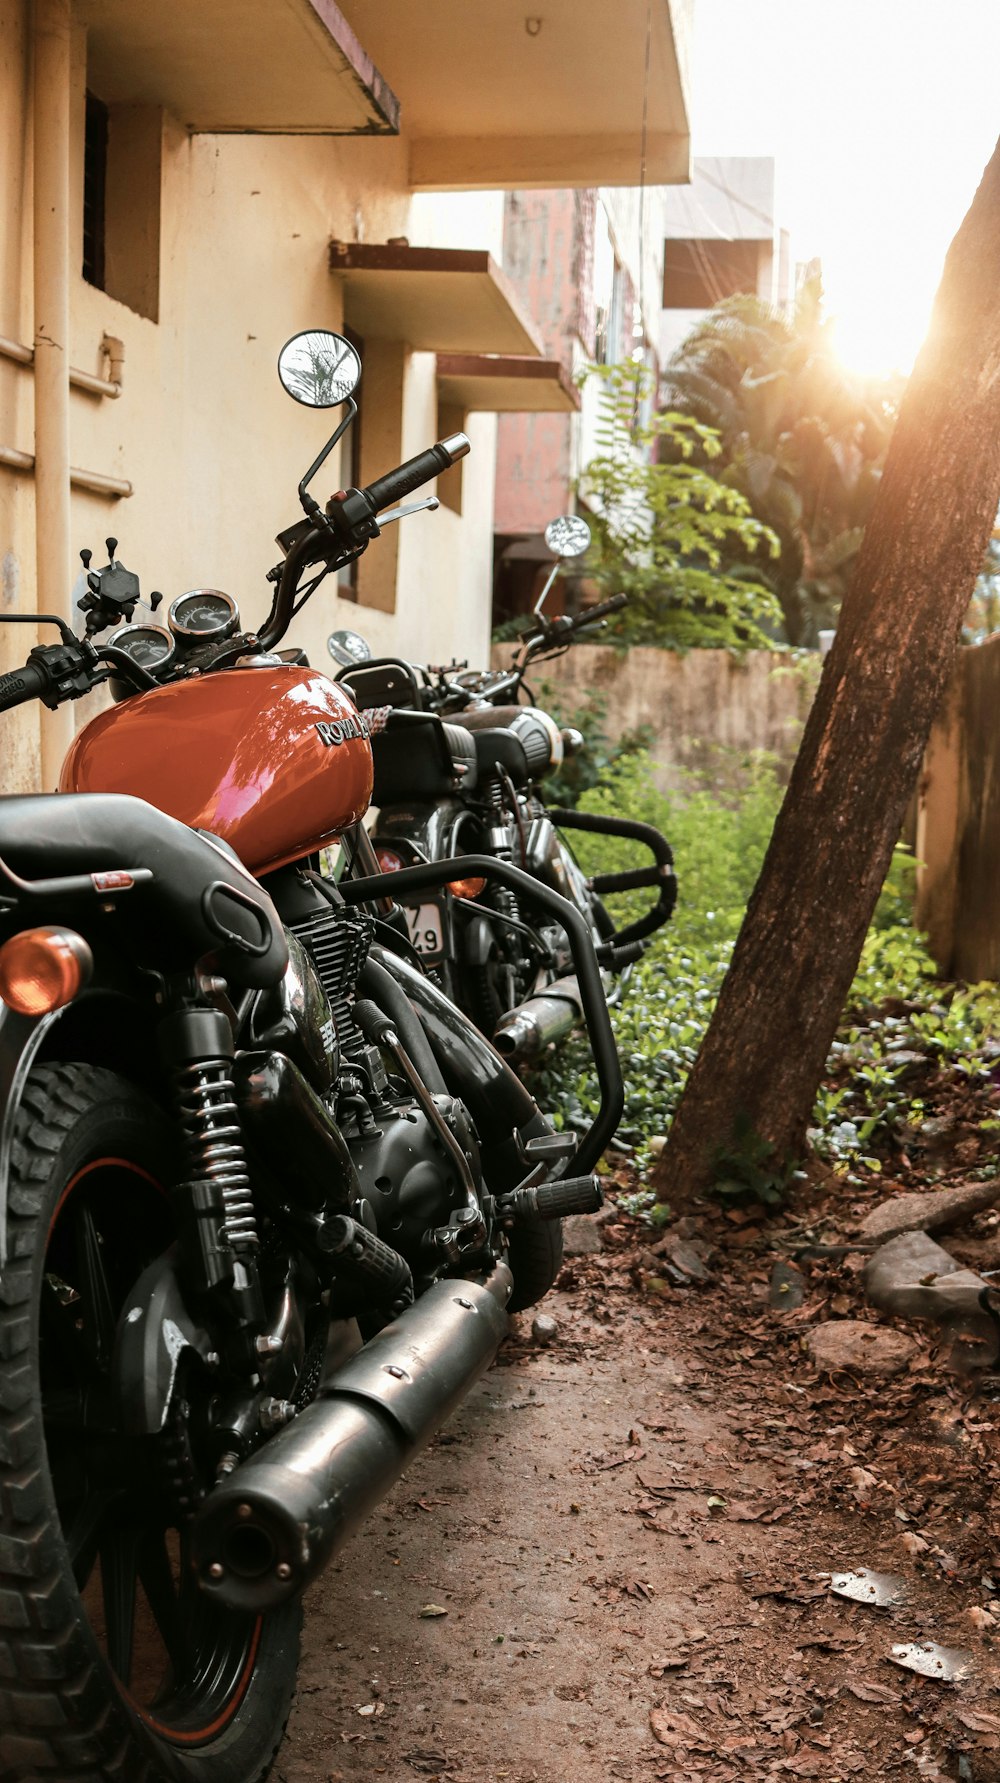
[356,724]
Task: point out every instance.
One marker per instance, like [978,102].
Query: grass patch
[901,1026]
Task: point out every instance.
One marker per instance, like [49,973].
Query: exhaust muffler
[272,1526]
[526,1031]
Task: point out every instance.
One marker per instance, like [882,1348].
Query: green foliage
[683,545]
[600,753]
[669,998]
[897,1010]
[983,617]
[797,434]
[748,1170]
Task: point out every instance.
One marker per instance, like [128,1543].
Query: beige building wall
[202,430]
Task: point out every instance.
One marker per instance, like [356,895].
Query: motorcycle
[460,764]
[266,1197]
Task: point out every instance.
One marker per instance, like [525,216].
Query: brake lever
[413,507]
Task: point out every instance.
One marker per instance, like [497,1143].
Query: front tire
[115,1666]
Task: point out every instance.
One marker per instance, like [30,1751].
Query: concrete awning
[503,95]
[285,66]
[438,299]
[481,383]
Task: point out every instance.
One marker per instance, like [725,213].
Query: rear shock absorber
[502,897]
[211,1125]
[197,1047]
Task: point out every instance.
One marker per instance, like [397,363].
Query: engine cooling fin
[337,942]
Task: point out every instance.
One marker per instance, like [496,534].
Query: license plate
[424,924]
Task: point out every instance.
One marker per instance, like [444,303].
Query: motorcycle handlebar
[589,614]
[409,476]
[27,683]
[551,631]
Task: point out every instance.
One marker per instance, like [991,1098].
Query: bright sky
[881,115]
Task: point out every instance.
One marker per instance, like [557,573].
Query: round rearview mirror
[567,536]
[318,368]
[348,647]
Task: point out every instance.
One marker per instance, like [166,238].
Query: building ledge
[455,300]
[290,67]
[482,383]
[575,93]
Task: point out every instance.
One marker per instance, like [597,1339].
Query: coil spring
[210,1120]
[502,897]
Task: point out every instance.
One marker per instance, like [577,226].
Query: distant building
[587,268]
[170,181]
[722,238]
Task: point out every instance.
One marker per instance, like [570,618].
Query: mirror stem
[311,507]
[553,573]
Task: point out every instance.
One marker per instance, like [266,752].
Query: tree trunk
[755,1078]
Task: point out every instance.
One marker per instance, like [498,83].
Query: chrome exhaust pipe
[270,1528]
[526,1031]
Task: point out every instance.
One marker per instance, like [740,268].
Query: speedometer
[149,646]
[203,613]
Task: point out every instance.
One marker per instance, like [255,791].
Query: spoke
[119,1551]
[157,1580]
[98,1309]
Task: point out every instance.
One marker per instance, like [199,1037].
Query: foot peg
[358,1256]
[551,1200]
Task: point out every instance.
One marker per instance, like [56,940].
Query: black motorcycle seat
[200,900]
[418,756]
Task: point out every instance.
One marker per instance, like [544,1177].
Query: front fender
[21,1037]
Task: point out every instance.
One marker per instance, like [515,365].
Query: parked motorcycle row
[269,1183]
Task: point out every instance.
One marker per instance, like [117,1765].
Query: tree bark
[755,1078]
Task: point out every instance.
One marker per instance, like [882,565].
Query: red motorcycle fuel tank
[274,760]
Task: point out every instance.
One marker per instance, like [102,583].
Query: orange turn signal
[466,888]
[42,969]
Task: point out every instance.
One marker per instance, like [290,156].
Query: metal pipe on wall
[94,481]
[51,108]
[80,380]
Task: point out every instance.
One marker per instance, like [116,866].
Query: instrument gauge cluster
[149,646]
[203,615]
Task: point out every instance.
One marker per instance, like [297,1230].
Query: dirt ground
[615,1562]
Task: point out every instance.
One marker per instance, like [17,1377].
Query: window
[450,419]
[698,274]
[121,202]
[95,172]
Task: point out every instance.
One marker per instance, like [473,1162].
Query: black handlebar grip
[589,614]
[23,684]
[409,476]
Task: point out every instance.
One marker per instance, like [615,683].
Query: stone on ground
[915,1278]
[787,1287]
[860,1348]
[932,1212]
[580,1236]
